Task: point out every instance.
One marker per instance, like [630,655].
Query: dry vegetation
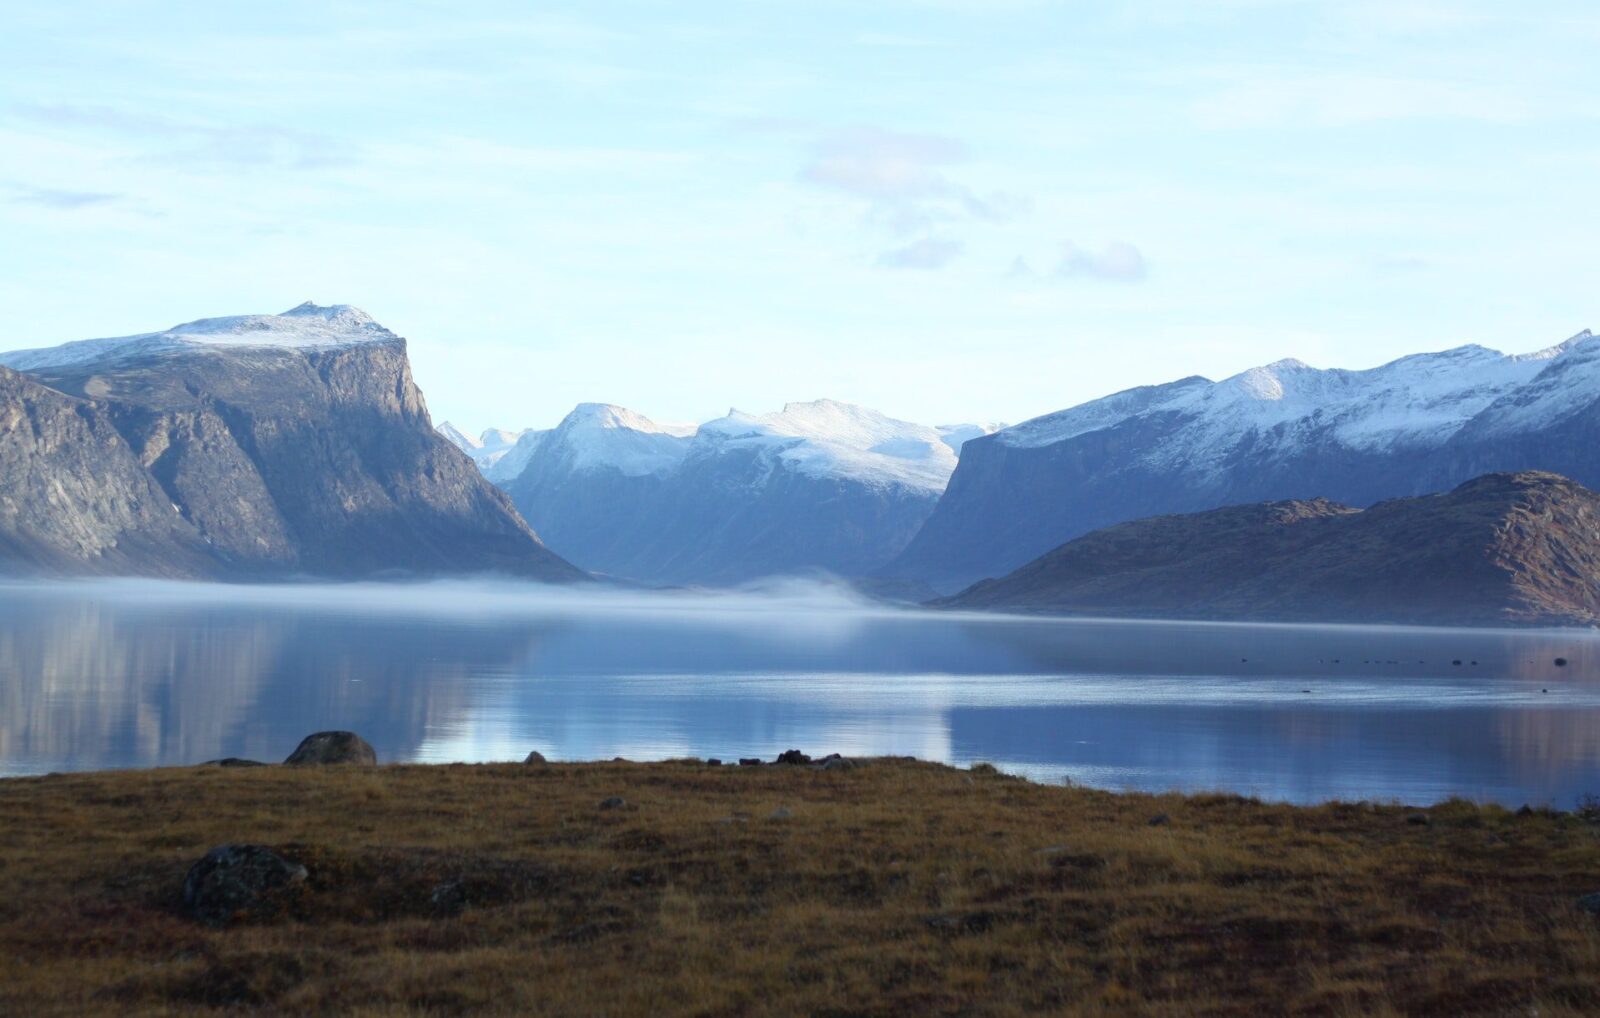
[892,888]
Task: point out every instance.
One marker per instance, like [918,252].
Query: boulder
[535,757]
[333,748]
[793,756]
[232,881]
[614,802]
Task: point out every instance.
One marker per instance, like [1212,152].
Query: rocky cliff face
[261,446]
[1503,549]
[1283,431]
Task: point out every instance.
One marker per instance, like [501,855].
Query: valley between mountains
[1448,487]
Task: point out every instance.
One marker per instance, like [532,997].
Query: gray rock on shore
[324,748]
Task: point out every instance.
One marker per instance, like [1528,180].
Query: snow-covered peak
[307,327]
[958,435]
[1419,400]
[466,443]
[826,438]
[602,435]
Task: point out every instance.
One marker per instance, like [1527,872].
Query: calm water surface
[136,674]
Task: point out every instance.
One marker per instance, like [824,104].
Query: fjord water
[138,674]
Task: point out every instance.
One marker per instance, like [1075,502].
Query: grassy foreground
[893,888]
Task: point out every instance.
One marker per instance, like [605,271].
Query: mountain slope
[817,486]
[1500,549]
[1420,424]
[293,444]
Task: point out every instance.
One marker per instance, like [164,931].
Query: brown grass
[895,888]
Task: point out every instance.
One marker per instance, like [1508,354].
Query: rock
[838,763]
[793,757]
[1418,820]
[449,897]
[1589,903]
[713,762]
[614,802]
[233,761]
[780,814]
[1561,662]
[333,748]
[749,761]
[1525,811]
[1159,820]
[535,757]
[232,880]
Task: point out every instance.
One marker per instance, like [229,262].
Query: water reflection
[139,674]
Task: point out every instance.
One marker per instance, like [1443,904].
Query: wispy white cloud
[196,144]
[925,254]
[1118,262]
[62,198]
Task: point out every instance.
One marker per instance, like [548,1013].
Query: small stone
[1051,850]
[233,761]
[780,814]
[614,802]
[1561,662]
[749,761]
[449,897]
[324,748]
[1525,811]
[232,880]
[1418,820]
[1159,820]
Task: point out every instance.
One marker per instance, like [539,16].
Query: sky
[948,210]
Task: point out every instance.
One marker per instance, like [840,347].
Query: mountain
[1502,549]
[1420,424]
[821,486]
[495,451]
[249,446]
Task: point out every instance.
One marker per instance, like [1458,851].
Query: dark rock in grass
[1159,820]
[614,802]
[781,813]
[535,757]
[449,897]
[1525,811]
[232,881]
[333,748]
[749,761]
[793,757]
[233,761]
[1419,820]
[837,763]
[713,762]
[1589,903]
[958,924]
[1561,662]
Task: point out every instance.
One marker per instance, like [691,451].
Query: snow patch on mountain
[958,435]
[1275,409]
[827,438]
[306,327]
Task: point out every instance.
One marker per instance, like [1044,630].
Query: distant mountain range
[254,446]
[1501,549]
[1421,424]
[817,487]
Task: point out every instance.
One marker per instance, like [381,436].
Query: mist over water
[143,673]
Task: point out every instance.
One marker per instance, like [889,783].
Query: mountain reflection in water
[139,673]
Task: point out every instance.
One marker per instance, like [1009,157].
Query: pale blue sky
[945,209]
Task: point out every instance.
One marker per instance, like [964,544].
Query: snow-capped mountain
[251,446]
[490,449]
[1420,424]
[816,486]
[306,327]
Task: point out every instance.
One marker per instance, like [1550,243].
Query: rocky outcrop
[328,748]
[184,455]
[1520,549]
[236,881]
